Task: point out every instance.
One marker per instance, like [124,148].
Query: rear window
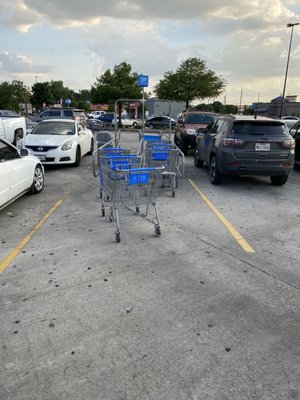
[68,113]
[259,128]
[199,118]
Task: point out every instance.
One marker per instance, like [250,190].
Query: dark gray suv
[69,113]
[246,145]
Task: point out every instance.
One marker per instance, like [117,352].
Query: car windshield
[199,118]
[54,128]
[259,128]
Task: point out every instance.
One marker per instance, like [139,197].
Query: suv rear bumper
[231,166]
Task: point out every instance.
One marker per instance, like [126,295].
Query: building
[290,107]
[164,107]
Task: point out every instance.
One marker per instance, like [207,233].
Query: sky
[75,41]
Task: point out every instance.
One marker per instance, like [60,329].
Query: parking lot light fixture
[287,64]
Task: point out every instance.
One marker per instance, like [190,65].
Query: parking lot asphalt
[188,315]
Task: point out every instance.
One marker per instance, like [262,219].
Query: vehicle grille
[42,149]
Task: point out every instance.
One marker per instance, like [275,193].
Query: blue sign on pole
[68,101]
[143,80]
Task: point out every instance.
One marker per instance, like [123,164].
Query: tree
[13,94]
[116,84]
[191,81]
[41,93]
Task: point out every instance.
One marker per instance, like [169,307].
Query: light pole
[287,64]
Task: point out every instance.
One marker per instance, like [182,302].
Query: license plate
[42,157]
[262,146]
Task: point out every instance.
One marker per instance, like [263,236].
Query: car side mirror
[24,152]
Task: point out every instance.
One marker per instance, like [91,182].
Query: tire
[151,126]
[198,163]
[78,157]
[279,180]
[91,148]
[216,177]
[184,147]
[157,231]
[134,124]
[38,180]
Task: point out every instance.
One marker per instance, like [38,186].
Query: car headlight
[191,131]
[68,145]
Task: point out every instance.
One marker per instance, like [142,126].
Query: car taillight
[228,142]
[289,143]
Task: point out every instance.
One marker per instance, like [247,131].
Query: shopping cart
[131,188]
[158,150]
[113,159]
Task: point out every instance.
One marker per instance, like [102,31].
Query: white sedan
[19,173]
[59,141]
[126,121]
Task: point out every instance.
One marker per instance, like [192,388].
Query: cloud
[15,66]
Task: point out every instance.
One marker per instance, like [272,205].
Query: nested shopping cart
[131,187]
[157,150]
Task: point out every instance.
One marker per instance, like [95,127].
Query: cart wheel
[118,237]
[157,230]
[103,212]
[173,193]
[137,209]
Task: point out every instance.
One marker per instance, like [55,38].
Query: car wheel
[184,147]
[176,141]
[91,148]
[134,124]
[151,126]
[279,180]
[38,180]
[215,175]
[198,163]
[78,157]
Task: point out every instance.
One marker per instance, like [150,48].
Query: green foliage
[217,107]
[50,93]
[13,94]
[116,84]
[231,109]
[249,111]
[191,81]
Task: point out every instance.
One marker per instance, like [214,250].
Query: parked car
[290,117]
[245,145]
[295,133]
[94,114]
[12,126]
[187,125]
[106,118]
[59,141]
[29,125]
[69,113]
[289,122]
[19,173]
[125,121]
[160,122]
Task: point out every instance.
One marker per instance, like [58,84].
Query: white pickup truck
[12,126]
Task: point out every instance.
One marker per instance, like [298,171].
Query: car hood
[46,140]
[195,126]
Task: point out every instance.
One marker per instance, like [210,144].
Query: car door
[4,182]
[19,171]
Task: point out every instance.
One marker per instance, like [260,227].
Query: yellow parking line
[241,241]
[13,254]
